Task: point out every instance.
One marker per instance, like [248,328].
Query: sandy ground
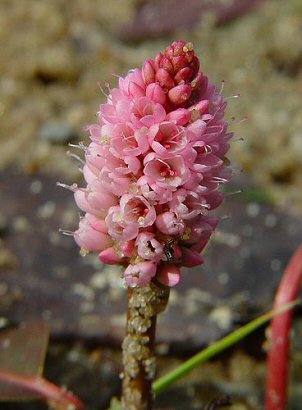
[52,55]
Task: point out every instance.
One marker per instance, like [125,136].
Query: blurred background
[53,54]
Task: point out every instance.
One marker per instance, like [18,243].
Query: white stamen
[80,145]
[66,232]
[219,179]
[72,155]
[73,187]
[102,90]
[239,191]
[222,87]
[232,96]
[208,149]
[163,162]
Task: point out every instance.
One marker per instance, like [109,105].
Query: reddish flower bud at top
[148,72]
[180,94]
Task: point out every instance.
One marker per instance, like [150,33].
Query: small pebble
[56,132]
[3,224]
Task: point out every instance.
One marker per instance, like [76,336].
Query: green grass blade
[165,381]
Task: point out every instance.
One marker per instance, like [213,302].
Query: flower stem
[279,351]
[144,304]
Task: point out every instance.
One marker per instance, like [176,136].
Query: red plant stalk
[60,398]
[278,355]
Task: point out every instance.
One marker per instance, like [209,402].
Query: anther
[188,47]
[240,139]
[244,119]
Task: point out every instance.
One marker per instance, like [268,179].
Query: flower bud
[148,72]
[180,94]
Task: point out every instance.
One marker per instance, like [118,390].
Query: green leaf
[165,381]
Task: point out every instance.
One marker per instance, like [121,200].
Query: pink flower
[169,275]
[153,169]
[139,274]
[188,204]
[167,139]
[156,93]
[118,229]
[89,238]
[133,85]
[136,210]
[148,247]
[181,116]
[169,173]
[169,224]
[124,142]
[146,112]
[110,256]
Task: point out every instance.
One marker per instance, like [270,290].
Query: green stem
[163,382]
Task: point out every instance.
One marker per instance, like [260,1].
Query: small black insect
[222,401]
[169,251]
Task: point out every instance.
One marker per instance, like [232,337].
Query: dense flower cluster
[153,169]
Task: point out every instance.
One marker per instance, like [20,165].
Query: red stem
[41,387]
[278,355]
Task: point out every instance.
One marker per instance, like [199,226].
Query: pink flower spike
[169,275]
[154,167]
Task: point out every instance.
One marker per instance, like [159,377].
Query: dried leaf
[22,352]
